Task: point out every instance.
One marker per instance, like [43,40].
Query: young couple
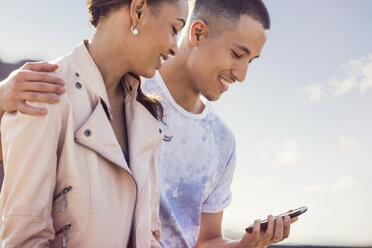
[87,172]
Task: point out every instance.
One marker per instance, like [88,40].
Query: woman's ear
[199,32]
[136,10]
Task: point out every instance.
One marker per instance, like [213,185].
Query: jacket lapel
[93,128]
[97,134]
[144,133]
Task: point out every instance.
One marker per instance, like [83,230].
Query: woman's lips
[161,58]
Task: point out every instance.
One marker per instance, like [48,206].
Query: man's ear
[136,10]
[199,32]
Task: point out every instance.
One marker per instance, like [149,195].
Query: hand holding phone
[291,214]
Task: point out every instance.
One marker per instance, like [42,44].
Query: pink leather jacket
[66,182]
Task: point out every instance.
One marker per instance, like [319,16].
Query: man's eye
[250,61]
[235,55]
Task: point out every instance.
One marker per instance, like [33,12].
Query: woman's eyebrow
[183,21]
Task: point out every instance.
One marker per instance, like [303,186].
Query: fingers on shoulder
[40,66]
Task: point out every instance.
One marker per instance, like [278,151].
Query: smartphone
[291,214]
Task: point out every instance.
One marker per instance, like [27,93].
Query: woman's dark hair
[100,8]
[151,104]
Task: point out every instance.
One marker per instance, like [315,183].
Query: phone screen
[291,214]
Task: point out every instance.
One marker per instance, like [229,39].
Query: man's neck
[181,85]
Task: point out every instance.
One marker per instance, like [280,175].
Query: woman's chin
[149,73]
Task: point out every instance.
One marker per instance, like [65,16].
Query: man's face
[220,61]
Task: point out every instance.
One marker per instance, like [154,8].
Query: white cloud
[366,82]
[285,152]
[358,76]
[344,183]
[315,92]
[347,143]
[342,87]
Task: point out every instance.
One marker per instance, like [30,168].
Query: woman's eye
[235,55]
[174,30]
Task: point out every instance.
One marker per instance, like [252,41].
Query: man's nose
[240,71]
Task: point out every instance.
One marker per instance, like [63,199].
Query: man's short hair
[222,14]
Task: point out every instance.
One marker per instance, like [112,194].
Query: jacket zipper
[135,206]
[63,193]
[64,237]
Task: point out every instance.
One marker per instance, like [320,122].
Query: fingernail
[56,98]
[287,219]
[63,89]
[43,111]
[62,82]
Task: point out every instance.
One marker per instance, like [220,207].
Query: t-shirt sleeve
[220,197]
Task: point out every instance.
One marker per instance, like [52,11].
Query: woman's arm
[30,145]
[33,83]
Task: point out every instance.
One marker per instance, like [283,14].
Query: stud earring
[134,30]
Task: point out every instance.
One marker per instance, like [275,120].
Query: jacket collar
[82,59]
[144,132]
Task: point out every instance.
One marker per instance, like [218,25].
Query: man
[197,159]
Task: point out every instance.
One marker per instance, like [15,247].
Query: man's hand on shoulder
[30,83]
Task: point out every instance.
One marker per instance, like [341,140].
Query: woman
[67,181]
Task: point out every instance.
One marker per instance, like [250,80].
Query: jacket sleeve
[30,147]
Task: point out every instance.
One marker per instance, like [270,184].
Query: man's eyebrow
[183,21]
[246,50]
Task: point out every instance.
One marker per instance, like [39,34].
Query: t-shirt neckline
[178,107]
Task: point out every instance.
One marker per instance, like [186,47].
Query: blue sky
[302,119]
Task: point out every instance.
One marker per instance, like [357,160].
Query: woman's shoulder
[66,70]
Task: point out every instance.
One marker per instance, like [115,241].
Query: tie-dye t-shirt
[195,167]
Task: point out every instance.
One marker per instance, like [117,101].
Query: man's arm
[30,83]
[211,233]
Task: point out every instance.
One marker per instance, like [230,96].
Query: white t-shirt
[195,167]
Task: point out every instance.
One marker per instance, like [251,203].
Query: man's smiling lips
[224,83]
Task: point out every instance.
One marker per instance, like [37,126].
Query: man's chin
[212,98]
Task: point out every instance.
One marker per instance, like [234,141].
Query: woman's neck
[111,63]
